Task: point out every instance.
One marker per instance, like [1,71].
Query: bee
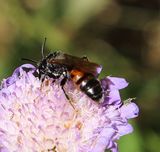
[80,70]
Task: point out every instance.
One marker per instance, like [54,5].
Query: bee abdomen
[92,88]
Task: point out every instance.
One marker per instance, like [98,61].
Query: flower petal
[125,129]
[118,83]
[17,72]
[3,149]
[114,97]
[129,110]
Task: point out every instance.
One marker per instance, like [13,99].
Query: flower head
[36,116]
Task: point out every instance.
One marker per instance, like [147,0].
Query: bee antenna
[43,47]
[25,59]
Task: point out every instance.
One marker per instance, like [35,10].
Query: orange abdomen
[76,76]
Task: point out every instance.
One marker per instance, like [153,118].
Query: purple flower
[36,116]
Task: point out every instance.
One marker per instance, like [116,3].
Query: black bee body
[92,87]
[82,72]
[51,70]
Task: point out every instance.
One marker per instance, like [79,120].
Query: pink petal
[118,83]
[129,110]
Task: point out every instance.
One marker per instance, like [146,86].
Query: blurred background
[121,35]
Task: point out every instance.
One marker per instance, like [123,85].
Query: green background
[122,35]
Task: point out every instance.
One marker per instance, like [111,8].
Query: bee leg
[41,77]
[63,82]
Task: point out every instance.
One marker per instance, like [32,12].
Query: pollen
[67,124]
[79,125]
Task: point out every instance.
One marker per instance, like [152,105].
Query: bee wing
[81,64]
[88,67]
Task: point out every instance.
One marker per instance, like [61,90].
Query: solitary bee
[82,72]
